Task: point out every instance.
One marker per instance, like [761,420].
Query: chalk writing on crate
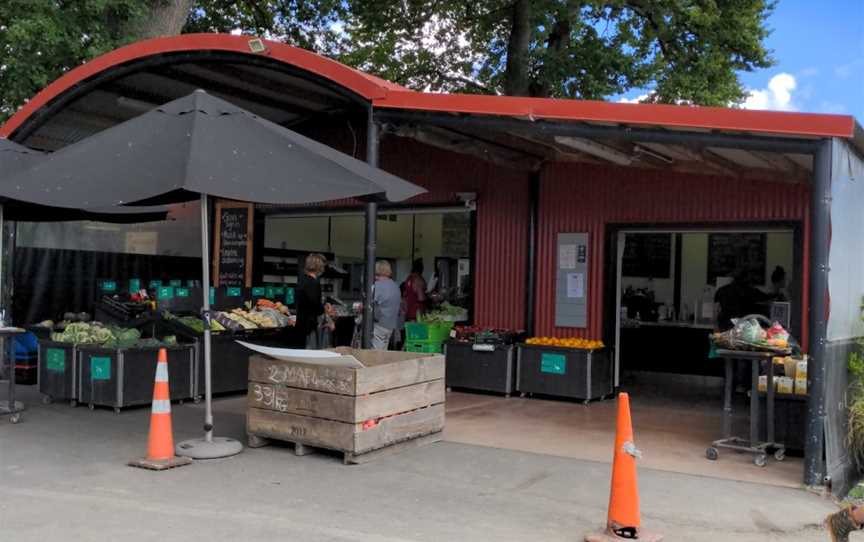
[323,379]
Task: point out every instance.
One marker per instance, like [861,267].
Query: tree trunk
[165,18]
[516,81]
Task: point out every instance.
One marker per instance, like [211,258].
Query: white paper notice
[575,285]
[567,256]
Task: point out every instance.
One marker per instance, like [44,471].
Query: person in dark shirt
[737,299]
[307,296]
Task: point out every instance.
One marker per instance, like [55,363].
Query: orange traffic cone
[160,444]
[623,520]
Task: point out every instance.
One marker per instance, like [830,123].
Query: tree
[679,50]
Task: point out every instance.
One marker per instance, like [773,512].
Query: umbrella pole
[209,447]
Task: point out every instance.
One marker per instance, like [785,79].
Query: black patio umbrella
[15,158]
[200,146]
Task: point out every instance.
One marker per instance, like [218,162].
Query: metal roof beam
[581,130]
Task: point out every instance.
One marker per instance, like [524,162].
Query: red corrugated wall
[587,197]
[502,220]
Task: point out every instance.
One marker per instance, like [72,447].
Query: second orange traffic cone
[160,443]
[623,522]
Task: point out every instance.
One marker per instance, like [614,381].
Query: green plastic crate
[425,347]
[424,331]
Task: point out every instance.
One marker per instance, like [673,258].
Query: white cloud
[638,99]
[777,96]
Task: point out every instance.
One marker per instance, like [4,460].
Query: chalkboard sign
[728,251]
[647,255]
[232,250]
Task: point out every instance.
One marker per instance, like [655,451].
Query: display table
[564,372]
[752,444]
[483,367]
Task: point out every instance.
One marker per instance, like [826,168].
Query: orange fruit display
[570,342]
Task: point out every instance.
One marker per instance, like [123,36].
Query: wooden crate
[396,400]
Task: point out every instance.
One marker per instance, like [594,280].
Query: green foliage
[42,39]
[855,402]
[681,50]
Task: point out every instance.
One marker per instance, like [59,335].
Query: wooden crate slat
[304,429]
[342,407]
[399,428]
[397,375]
[339,380]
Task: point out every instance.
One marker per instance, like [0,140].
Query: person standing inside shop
[778,284]
[414,292]
[386,300]
[310,308]
[737,299]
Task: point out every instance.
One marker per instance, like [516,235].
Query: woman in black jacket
[308,299]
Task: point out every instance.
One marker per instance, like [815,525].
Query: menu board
[647,255]
[728,251]
[232,249]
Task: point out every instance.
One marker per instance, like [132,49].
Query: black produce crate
[564,372]
[480,367]
[122,377]
[790,420]
[229,360]
[58,371]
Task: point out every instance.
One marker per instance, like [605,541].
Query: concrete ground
[63,477]
[674,421]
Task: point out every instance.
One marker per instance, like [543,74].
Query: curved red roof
[384,94]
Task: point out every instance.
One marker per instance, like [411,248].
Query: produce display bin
[564,372]
[123,377]
[58,371]
[395,400]
[229,360]
[483,367]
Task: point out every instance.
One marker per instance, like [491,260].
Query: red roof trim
[366,86]
[384,94]
[712,118]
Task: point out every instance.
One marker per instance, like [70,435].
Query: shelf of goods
[564,372]
[393,401]
[482,367]
[122,377]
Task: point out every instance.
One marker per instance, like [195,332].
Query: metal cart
[753,445]
[10,406]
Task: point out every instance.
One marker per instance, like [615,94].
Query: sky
[818,46]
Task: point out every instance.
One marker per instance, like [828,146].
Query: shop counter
[668,347]
[564,372]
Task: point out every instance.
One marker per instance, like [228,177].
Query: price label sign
[176,283]
[270,293]
[100,368]
[109,286]
[289,296]
[258,291]
[278,291]
[212,295]
[233,291]
[182,292]
[155,284]
[165,292]
[134,285]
